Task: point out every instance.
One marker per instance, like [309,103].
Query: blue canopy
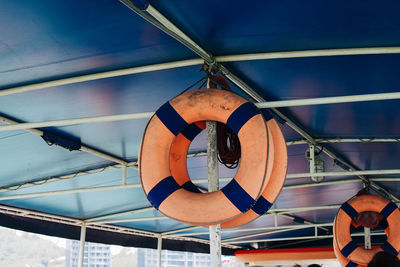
[66,60]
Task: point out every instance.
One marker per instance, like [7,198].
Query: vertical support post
[312,159]
[316,164]
[159,250]
[82,244]
[124,175]
[213,185]
[367,237]
[275,220]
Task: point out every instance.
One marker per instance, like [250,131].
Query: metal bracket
[316,163]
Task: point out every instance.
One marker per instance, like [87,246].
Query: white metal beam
[182,230]
[119,214]
[294,238]
[101,75]
[70,191]
[132,186]
[173,235]
[199,61]
[305,221]
[271,212]
[265,233]
[145,115]
[65,122]
[329,100]
[55,178]
[345,140]
[253,229]
[130,220]
[38,215]
[134,165]
[310,53]
[345,173]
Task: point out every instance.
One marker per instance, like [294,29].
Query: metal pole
[310,53]
[286,187]
[142,219]
[329,100]
[124,174]
[119,214]
[345,173]
[159,250]
[346,140]
[296,238]
[312,159]
[82,244]
[145,115]
[275,219]
[264,229]
[213,185]
[367,237]
[199,61]
[71,191]
[101,75]
[54,123]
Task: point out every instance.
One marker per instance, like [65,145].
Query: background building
[148,258]
[96,255]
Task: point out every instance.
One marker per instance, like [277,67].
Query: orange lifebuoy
[349,210]
[345,262]
[178,154]
[277,166]
[277,174]
[238,195]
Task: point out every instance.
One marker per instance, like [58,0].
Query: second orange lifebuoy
[277,175]
[345,262]
[277,163]
[349,210]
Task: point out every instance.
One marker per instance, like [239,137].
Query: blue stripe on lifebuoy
[191,131]
[389,248]
[346,207]
[349,248]
[262,206]
[267,114]
[171,119]
[351,264]
[388,209]
[238,196]
[189,186]
[162,190]
[241,115]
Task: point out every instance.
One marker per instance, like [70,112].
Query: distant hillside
[28,250]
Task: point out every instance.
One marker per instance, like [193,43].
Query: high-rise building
[149,258]
[95,255]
